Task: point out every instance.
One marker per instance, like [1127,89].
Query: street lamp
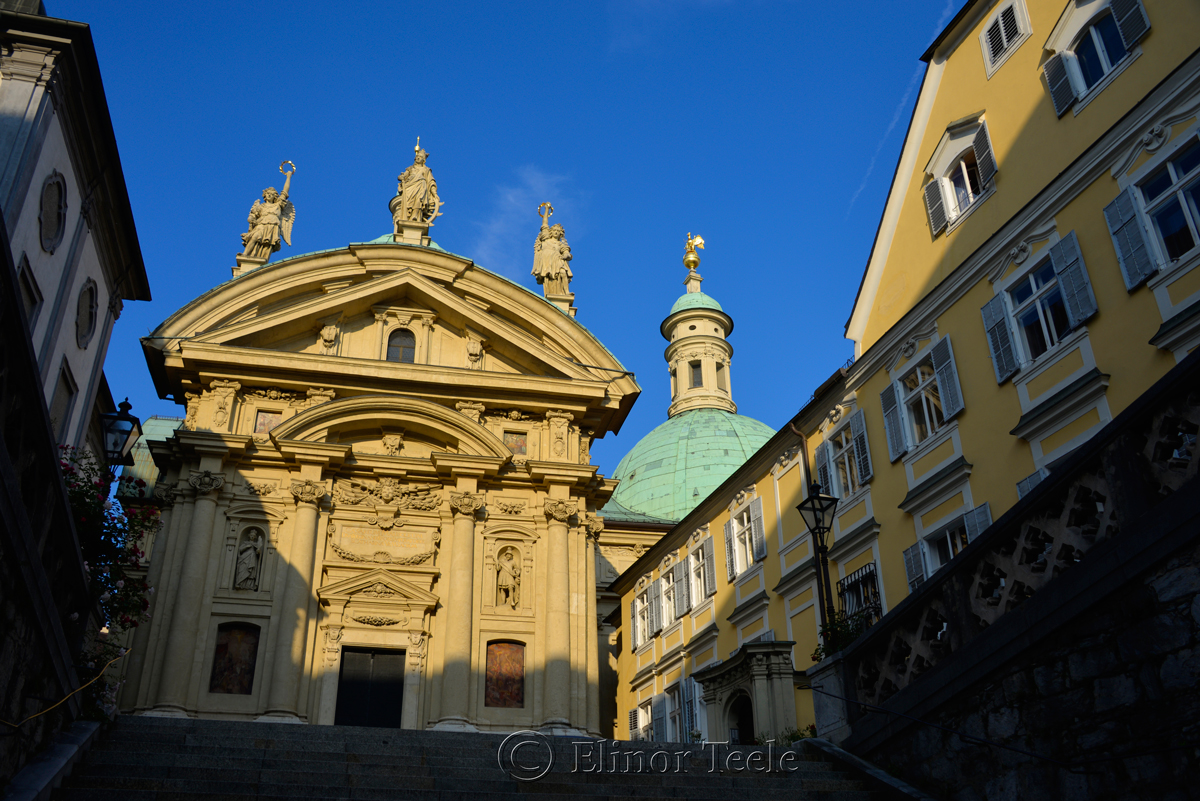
[121,430]
[817,512]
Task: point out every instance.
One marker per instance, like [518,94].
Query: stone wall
[1067,634]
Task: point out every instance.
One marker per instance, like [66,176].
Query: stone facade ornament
[595,525]
[392,443]
[206,481]
[508,578]
[379,590]
[248,559]
[275,394]
[385,518]
[417,192]
[333,647]
[469,409]
[193,410]
[223,392]
[387,492]
[317,395]
[475,348]
[378,620]
[270,218]
[385,558]
[417,642]
[551,255]
[560,510]
[166,493]
[585,445]
[464,503]
[261,488]
[327,339]
[307,491]
[559,423]
[511,507]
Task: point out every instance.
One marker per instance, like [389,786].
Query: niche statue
[508,580]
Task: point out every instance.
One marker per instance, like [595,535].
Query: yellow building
[1034,271]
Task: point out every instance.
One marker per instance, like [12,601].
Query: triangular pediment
[378,585]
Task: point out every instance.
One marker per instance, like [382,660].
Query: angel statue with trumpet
[270,218]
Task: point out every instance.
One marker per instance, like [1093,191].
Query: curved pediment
[327,422]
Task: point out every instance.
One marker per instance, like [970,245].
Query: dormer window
[1091,46]
[402,346]
[963,165]
[1002,34]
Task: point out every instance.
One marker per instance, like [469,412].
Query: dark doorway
[741,721]
[370,688]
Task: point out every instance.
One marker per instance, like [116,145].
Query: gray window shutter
[946,373]
[634,734]
[730,567]
[824,469]
[935,206]
[710,567]
[914,566]
[633,626]
[1073,279]
[985,159]
[977,520]
[1129,239]
[681,589]
[862,449]
[687,697]
[658,718]
[1132,21]
[758,532]
[1062,93]
[999,336]
[891,423]
[654,598]
[1029,482]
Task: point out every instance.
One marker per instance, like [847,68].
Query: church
[380,508]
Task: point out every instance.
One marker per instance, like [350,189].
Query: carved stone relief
[469,409]
[249,560]
[508,577]
[205,481]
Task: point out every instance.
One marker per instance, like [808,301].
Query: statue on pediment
[419,201]
[270,219]
[551,255]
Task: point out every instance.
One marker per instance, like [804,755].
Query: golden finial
[690,259]
[417,149]
[546,214]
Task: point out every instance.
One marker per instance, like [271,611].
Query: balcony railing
[858,597]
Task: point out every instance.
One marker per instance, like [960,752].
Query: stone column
[556,683]
[193,577]
[459,600]
[594,526]
[297,592]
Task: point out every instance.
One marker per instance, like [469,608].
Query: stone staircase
[145,758]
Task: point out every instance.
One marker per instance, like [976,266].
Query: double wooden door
[370,688]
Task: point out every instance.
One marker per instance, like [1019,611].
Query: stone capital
[167,493]
[308,491]
[595,524]
[465,503]
[205,481]
[559,510]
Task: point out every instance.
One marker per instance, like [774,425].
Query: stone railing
[1130,467]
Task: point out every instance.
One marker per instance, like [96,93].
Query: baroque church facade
[380,507]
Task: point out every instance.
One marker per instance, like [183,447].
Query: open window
[1091,43]
[961,173]
[843,460]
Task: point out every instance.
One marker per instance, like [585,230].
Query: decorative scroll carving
[475,348]
[464,503]
[559,422]
[386,491]
[167,493]
[417,642]
[469,409]
[205,481]
[261,488]
[385,518]
[318,395]
[585,445]
[327,339]
[193,409]
[223,393]
[507,414]
[294,399]
[333,646]
[560,510]
[307,491]
[511,507]
[385,558]
[595,525]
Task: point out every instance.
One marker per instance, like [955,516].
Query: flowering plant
[111,538]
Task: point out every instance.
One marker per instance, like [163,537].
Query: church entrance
[370,688]
[741,720]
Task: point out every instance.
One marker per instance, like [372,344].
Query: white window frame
[674,733]
[1024,29]
[645,720]
[1179,186]
[1025,354]
[642,618]
[950,534]
[668,595]
[843,453]
[1078,18]
[911,398]
[696,575]
[743,545]
[950,154]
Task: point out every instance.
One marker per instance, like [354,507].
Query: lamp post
[817,512]
[121,431]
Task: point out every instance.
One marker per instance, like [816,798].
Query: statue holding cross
[550,256]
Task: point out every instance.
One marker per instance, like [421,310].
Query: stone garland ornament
[465,503]
[385,558]
[511,507]
[205,481]
[377,620]
[307,491]
[261,488]
[560,510]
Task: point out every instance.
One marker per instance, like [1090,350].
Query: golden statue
[690,259]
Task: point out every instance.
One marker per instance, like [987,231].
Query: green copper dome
[695,300]
[680,462]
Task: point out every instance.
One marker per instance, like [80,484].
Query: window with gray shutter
[1073,280]
[824,468]
[654,599]
[758,533]
[862,449]
[1129,239]
[891,423]
[1132,21]
[947,378]
[682,589]
[1029,482]
[977,520]
[634,733]
[935,206]
[687,697]
[985,159]
[633,626]
[1062,93]
[710,567]
[658,717]
[914,566]
[999,337]
[730,567]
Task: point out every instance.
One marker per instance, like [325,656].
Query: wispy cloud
[900,107]
[506,236]
[635,24]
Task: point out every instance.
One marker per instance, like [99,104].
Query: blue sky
[769,128]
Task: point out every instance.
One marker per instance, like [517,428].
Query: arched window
[1098,50]
[964,183]
[402,346]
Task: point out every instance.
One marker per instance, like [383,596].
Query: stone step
[100,794]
